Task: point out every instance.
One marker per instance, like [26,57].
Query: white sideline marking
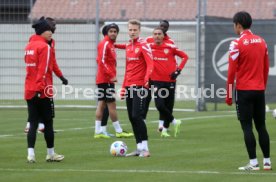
[91,107]
[148,122]
[3,136]
[140,171]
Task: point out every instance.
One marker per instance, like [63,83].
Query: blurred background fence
[196,26]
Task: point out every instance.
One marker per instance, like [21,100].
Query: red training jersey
[164,61]
[106,61]
[38,68]
[55,66]
[139,64]
[248,63]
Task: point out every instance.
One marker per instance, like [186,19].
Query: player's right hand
[228,101]
[36,96]
[123,93]
[113,79]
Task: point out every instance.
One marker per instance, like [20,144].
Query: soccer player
[105,79]
[106,113]
[56,70]
[39,67]
[249,65]
[164,24]
[139,67]
[164,77]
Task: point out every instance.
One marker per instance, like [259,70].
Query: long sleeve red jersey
[164,61]
[139,64]
[55,66]
[38,74]
[248,63]
[106,61]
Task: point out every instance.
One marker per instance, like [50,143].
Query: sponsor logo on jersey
[133,59]
[245,42]
[136,50]
[160,59]
[30,64]
[29,52]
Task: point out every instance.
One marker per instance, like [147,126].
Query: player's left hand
[64,80]
[175,74]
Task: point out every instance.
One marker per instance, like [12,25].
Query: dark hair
[165,21]
[52,23]
[243,18]
[159,28]
[104,30]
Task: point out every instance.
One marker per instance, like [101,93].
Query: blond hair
[135,22]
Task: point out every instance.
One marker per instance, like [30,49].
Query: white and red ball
[118,148]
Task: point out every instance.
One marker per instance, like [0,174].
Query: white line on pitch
[3,136]
[140,171]
[149,122]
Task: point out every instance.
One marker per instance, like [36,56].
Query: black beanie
[112,25]
[41,26]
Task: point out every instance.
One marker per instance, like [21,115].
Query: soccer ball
[274,113]
[118,148]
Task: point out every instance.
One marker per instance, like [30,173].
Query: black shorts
[41,109]
[250,104]
[106,92]
[164,89]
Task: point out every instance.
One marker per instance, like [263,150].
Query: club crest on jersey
[136,50]
[166,51]
[245,42]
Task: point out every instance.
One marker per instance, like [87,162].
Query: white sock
[98,126]
[31,152]
[145,145]
[117,127]
[254,162]
[161,123]
[103,128]
[50,151]
[267,160]
[164,129]
[174,121]
[145,121]
[139,146]
[28,125]
[40,126]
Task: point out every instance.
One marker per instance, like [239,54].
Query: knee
[33,126]
[261,129]
[161,107]
[136,117]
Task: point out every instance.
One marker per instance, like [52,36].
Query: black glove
[64,80]
[175,74]
[36,96]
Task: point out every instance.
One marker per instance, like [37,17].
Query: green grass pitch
[209,148]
